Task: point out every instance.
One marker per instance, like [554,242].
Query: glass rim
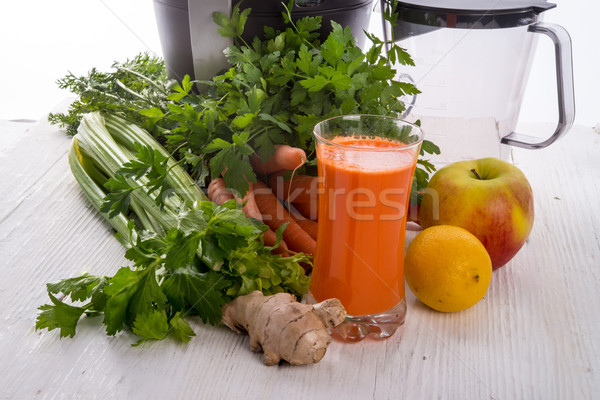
[377,149]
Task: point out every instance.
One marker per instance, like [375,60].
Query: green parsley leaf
[217,144]
[308,24]
[332,49]
[59,316]
[148,296]
[191,219]
[242,121]
[429,147]
[180,328]
[315,84]
[152,165]
[238,174]
[79,288]
[233,27]
[390,12]
[429,167]
[270,118]
[148,161]
[155,114]
[151,326]
[400,55]
[264,146]
[341,81]
[119,197]
[119,292]
[182,248]
[304,59]
[203,292]
[228,28]
[240,141]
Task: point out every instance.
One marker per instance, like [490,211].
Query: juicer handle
[566,95]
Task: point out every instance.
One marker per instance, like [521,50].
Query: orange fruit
[447,268]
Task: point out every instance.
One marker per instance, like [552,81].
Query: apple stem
[476,174]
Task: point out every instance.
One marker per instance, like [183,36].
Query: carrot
[300,190]
[285,157]
[219,194]
[217,191]
[308,225]
[275,215]
[250,208]
[308,210]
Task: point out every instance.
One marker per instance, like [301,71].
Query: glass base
[377,326]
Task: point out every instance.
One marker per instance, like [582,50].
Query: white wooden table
[536,335]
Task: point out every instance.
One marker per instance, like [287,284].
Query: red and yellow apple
[489,197]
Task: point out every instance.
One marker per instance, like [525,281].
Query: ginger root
[284,328]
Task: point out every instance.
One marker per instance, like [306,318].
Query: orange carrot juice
[362,219]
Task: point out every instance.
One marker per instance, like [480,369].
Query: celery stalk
[95,139]
[94,193]
[105,145]
[129,134]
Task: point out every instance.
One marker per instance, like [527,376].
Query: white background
[41,40]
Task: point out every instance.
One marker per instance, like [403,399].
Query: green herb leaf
[181,249]
[59,316]
[429,148]
[270,118]
[119,197]
[147,297]
[180,328]
[151,326]
[79,288]
[119,293]
[188,289]
[155,114]
[228,28]
[152,164]
[332,49]
[233,27]
[315,84]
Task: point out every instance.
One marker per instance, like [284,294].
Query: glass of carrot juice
[366,165]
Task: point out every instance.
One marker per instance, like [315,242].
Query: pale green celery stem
[129,134]
[99,179]
[149,223]
[94,193]
[97,141]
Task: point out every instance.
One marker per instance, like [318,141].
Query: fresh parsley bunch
[280,87]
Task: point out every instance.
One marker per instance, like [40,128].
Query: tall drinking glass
[366,164]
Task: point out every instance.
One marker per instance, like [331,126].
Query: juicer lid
[472,14]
